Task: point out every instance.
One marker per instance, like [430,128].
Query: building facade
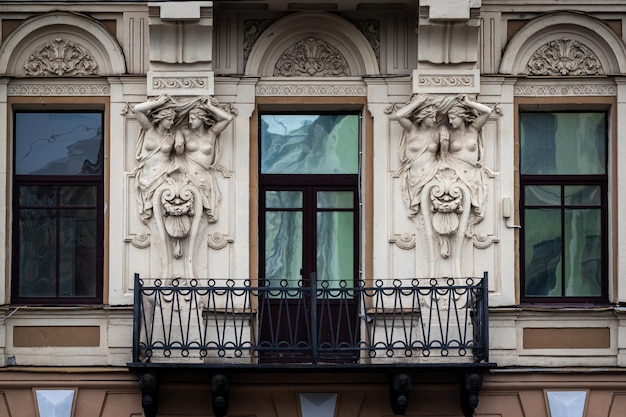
[349,208]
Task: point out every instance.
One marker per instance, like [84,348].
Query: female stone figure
[464,151]
[419,147]
[155,146]
[201,150]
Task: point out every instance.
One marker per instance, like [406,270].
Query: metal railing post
[314,329]
[136,318]
[485,316]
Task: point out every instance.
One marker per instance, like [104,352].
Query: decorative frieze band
[180,84]
[28,89]
[565,90]
[446,82]
[324,89]
[167,83]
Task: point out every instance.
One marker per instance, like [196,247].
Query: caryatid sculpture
[176,175]
[443,181]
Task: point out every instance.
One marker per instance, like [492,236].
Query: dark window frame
[59,181]
[564,180]
[310,185]
[312,182]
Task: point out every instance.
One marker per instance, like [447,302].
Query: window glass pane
[283,199]
[562,143]
[38,195]
[77,251]
[542,266]
[335,249]
[583,252]
[55,143]
[542,195]
[335,199]
[589,195]
[309,144]
[283,247]
[37,252]
[79,195]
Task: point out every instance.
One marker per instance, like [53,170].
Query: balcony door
[309,234]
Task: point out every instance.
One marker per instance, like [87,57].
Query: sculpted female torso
[464,151]
[205,122]
[155,146]
[419,148]
[200,144]
[463,140]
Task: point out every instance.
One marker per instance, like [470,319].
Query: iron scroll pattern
[235,323]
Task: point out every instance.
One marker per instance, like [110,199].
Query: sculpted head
[198,116]
[163,116]
[460,114]
[425,113]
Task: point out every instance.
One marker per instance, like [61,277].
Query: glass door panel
[335,240]
[308,229]
[283,238]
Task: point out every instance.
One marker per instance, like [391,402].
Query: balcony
[397,326]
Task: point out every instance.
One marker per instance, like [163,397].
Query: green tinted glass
[562,143]
[309,144]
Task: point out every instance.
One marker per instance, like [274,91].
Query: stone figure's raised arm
[404,114]
[223,118]
[483,110]
[143,109]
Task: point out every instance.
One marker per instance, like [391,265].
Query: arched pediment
[564,44]
[61,44]
[312,44]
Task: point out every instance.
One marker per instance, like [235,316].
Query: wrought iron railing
[231,322]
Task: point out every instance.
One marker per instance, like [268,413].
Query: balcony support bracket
[471,384]
[219,393]
[400,387]
[149,398]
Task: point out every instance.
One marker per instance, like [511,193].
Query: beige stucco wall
[381,78]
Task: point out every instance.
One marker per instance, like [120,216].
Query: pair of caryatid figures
[177,162]
[440,150]
[442,176]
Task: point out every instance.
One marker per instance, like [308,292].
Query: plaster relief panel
[61,44]
[311,57]
[444,182]
[179,184]
[60,57]
[562,57]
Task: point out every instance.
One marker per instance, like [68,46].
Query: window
[57,207]
[563,194]
[309,218]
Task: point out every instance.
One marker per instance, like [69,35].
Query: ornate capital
[59,58]
[311,57]
[564,57]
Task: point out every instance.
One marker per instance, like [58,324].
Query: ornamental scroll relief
[564,57]
[311,57]
[443,180]
[60,58]
[176,176]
